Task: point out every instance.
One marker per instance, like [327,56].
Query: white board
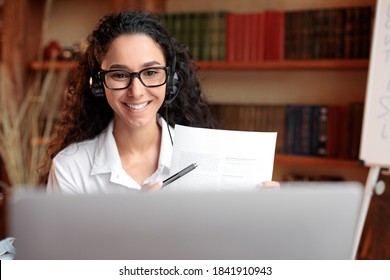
[375,139]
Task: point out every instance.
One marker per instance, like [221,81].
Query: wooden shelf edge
[313,161]
[45,65]
[339,64]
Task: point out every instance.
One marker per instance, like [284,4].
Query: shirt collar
[107,156]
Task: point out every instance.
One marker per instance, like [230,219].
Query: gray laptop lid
[304,221]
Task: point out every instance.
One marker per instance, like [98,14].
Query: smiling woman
[133,83]
[142,97]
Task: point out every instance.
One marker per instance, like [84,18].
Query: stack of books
[331,131]
[338,33]
[203,33]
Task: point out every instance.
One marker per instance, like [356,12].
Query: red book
[247,36]
[239,37]
[258,37]
[230,33]
[274,35]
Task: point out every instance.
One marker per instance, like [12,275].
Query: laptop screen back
[315,221]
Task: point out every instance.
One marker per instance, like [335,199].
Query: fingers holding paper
[274,185]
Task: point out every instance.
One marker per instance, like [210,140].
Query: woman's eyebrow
[146,64]
[118,66]
[151,63]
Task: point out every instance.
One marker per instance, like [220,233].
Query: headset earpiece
[96,86]
[173,82]
[175,86]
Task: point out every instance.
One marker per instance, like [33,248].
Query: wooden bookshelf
[312,161]
[341,64]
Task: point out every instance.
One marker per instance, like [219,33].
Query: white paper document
[227,159]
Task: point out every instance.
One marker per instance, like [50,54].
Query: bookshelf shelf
[45,65]
[320,162]
[341,64]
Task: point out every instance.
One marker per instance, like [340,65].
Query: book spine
[204,37]
[365,22]
[259,39]
[356,128]
[322,130]
[187,30]
[222,37]
[195,38]
[306,35]
[230,39]
[317,38]
[246,37]
[297,34]
[344,132]
[274,35]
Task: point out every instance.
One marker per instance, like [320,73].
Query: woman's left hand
[267,185]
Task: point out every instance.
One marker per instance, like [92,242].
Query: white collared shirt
[94,166]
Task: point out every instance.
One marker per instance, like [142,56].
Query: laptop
[300,221]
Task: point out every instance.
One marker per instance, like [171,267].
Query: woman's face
[137,105]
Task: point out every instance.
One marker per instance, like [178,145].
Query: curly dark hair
[84,115]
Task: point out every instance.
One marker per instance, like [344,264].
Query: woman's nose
[136,89]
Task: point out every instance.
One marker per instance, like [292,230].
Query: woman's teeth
[137,106]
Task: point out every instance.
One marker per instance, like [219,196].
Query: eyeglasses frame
[102,73]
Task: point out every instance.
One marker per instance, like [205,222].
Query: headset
[171,92]
[96,85]
[172,89]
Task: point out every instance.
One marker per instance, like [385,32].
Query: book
[204,37]
[230,37]
[258,37]
[344,135]
[293,37]
[195,35]
[356,119]
[216,33]
[274,35]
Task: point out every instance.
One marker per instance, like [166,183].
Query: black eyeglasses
[121,79]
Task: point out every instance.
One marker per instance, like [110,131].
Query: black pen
[179,174]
